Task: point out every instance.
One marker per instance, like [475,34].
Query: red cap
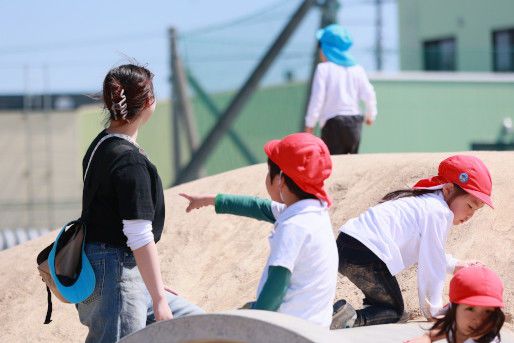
[476,286]
[469,172]
[305,159]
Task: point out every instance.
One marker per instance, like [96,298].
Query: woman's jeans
[369,273]
[120,303]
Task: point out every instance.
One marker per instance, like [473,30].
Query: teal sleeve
[246,206]
[274,289]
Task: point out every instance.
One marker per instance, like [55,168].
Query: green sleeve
[274,289]
[243,205]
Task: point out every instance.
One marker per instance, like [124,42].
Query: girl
[125,218]
[409,226]
[474,313]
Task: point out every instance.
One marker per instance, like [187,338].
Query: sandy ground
[216,260]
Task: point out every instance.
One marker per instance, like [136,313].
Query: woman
[126,217]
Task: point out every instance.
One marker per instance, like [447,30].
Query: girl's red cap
[469,172]
[305,159]
[476,286]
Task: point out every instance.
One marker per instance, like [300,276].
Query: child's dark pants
[342,134]
[370,274]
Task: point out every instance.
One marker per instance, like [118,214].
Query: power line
[81,43]
[134,37]
[99,41]
[242,20]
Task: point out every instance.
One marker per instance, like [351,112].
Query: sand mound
[216,260]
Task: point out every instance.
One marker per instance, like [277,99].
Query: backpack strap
[49,307]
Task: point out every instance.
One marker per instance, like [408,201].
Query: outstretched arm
[248,206]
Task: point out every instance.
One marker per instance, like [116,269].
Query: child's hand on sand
[467,263]
[199,201]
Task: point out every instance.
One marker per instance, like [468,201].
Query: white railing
[12,237]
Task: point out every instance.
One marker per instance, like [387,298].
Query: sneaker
[344,315]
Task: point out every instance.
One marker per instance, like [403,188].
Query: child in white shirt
[339,85]
[409,226]
[300,275]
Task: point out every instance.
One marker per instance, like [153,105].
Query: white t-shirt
[409,230]
[337,90]
[303,242]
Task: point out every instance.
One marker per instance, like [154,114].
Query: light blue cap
[335,41]
[84,281]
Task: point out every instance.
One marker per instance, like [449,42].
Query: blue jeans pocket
[99,269]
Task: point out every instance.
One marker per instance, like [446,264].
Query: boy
[301,272]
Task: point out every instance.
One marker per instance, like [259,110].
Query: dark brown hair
[274,170]
[490,327]
[136,83]
[405,193]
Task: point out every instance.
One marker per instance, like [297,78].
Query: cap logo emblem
[463,177]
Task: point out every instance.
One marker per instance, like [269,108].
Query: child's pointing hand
[199,201]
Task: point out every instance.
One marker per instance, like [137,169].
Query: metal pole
[225,121]
[185,111]
[180,83]
[28,148]
[47,106]
[378,34]
[175,108]
[213,109]
[329,11]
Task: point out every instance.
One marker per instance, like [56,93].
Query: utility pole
[378,34]
[234,108]
[182,109]
[174,106]
[329,10]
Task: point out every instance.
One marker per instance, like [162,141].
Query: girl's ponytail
[405,193]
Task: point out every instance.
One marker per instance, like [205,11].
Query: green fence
[414,116]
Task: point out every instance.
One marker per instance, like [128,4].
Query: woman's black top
[126,185]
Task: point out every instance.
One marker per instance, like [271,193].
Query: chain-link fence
[40,174]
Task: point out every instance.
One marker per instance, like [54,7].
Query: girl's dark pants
[370,274]
[342,134]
